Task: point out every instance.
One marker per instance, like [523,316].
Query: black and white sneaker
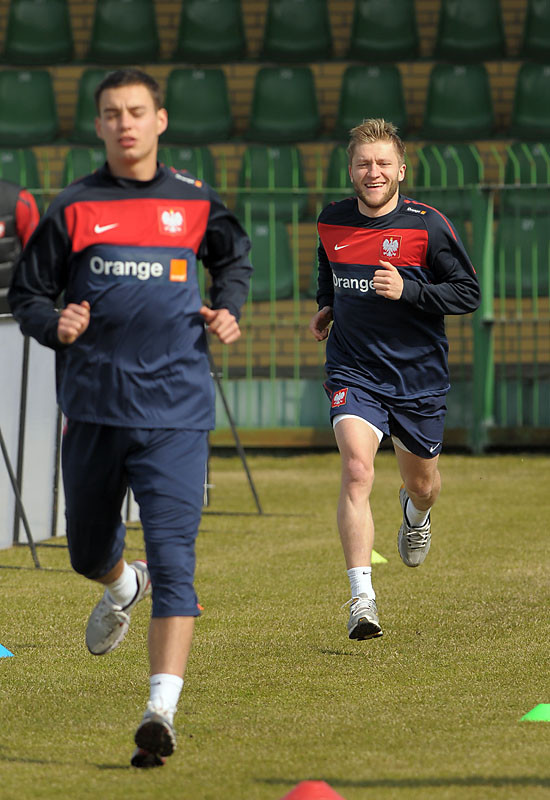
[155,738]
[363,618]
[413,543]
[109,622]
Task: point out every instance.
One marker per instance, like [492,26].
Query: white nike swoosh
[434,447]
[340,246]
[103,228]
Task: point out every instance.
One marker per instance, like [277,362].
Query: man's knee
[357,473]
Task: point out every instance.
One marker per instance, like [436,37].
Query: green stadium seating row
[284,104]
[212,31]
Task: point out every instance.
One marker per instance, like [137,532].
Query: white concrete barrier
[30,434]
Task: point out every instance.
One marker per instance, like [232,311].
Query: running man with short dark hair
[122,245]
[390,268]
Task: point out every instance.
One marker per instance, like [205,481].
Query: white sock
[124,589]
[165,691]
[415,518]
[360,582]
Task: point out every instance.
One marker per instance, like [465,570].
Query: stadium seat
[271,258]
[337,181]
[297,30]
[527,163]
[470,30]
[84,120]
[123,32]
[38,32]
[80,161]
[383,31]
[19,165]
[531,110]
[522,255]
[370,91]
[267,176]
[210,31]
[536,31]
[459,104]
[443,179]
[198,161]
[28,113]
[284,106]
[198,107]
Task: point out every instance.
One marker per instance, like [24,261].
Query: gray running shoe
[155,738]
[363,618]
[413,543]
[109,622]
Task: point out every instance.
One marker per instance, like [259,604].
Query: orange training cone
[312,790]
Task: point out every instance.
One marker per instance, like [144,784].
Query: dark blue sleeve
[224,252]
[325,284]
[455,287]
[39,277]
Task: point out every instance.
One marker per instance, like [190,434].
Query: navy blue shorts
[417,423]
[166,471]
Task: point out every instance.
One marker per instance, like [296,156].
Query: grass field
[275,693]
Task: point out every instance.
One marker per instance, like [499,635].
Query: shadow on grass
[248,514]
[496,781]
[35,569]
[327,652]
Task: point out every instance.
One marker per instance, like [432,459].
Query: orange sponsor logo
[178,269]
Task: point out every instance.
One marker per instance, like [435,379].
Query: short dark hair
[129,77]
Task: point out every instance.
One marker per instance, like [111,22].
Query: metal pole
[22,425]
[238,444]
[19,500]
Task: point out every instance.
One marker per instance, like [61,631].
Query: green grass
[275,692]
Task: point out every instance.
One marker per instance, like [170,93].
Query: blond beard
[391,191]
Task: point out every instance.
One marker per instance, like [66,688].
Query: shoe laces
[417,537]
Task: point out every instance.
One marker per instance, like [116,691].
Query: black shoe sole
[156,738]
[145,760]
[365,630]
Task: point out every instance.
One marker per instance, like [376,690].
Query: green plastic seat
[198,106]
[527,163]
[38,32]
[443,180]
[531,110]
[267,177]
[19,165]
[85,113]
[522,256]
[81,161]
[448,171]
[124,32]
[28,112]
[459,104]
[384,31]
[297,30]
[284,106]
[337,180]
[210,31]
[198,161]
[271,258]
[470,30]
[370,91]
[536,30]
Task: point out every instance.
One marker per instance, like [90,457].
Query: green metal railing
[499,356]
